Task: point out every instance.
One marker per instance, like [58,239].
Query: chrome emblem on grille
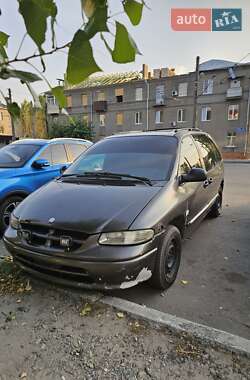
[51,220]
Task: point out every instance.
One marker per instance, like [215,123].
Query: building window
[160,95]
[84,100]
[51,100]
[102,119]
[138,118]
[158,117]
[182,89]
[206,114]
[181,115]
[101,96]
[208,85]
[86,119]
[69,101]
[119,93]
[138,94]
[119,118]
[233,112]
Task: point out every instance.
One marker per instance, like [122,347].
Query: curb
[236,161]
[222,339]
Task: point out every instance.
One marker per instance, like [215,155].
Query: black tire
[6,209]
[216,209]
[168,260]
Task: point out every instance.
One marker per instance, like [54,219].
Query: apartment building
[5,125]
[116,103]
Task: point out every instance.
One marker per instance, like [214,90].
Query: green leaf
[35,14]
[98,22]
[3,54]
[81,62]
[3,39]
[14,110]
[58,93]
[125,48]
[133,10]
[24,76]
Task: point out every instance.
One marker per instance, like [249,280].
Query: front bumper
[79,271]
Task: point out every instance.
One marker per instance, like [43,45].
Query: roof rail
[173,129]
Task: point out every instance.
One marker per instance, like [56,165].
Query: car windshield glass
[150,157]
[16,155]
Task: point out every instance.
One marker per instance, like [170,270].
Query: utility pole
[247,126]
[11,117]
[196,87]
[147,115]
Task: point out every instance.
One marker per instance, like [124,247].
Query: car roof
[178,132]
[47,141]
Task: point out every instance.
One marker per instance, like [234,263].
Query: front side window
[209,152]
[206,114]
[181,117]
[159,117]
[189,157]
[46,154]
[58,154]
[233,112]
[208,85]
[16,155]
[145,156]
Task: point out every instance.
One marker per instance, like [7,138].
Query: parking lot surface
[213,285]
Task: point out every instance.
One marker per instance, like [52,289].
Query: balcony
[52,109]
[160,102]
[234,93]
[100,106]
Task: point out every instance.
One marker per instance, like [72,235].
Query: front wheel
[168,260]
[6,208]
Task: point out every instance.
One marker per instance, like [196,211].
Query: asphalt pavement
[213,285]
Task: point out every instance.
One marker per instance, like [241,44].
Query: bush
[76,129]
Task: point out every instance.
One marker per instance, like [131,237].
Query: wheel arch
[180,223]
[20,193]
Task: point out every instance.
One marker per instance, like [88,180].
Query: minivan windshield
[16,155]
[150,157]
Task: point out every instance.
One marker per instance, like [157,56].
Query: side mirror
[62,169]
[195,175]
[40,163]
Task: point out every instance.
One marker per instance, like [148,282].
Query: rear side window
[189,157]
[209,152]
[59,155]
[46,154]
[75,150]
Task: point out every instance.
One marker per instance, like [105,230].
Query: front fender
[12,186]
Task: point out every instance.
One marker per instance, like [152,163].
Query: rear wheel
[216,209]
[168,260]
[6,208]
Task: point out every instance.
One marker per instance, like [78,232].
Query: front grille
[52,238]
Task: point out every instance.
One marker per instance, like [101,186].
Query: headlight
[126,237]
[14,222]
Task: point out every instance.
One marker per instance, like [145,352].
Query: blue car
[27,164]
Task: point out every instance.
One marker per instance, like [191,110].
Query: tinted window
[189,157]
[16,155]
[75,150]
[46,154]
[208,150]
[145,156]
[58,154]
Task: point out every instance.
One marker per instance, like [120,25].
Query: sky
[159,44]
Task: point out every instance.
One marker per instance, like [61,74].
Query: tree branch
[26,59]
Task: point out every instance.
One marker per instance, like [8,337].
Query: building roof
[106,80]
[219,64]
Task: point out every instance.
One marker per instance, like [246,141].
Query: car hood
[87,208]
[7,172]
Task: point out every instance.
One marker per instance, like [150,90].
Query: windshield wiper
[118,176]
